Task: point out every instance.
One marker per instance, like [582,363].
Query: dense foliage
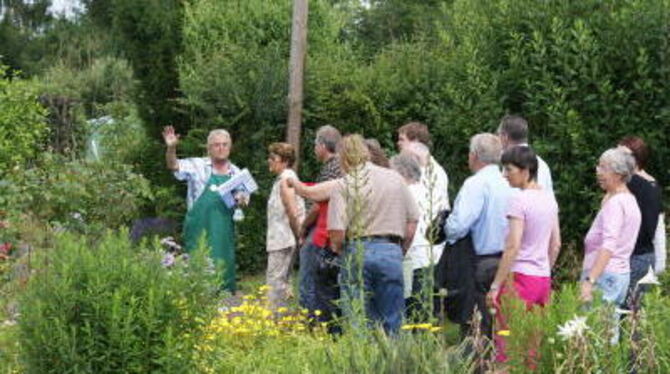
[109,307]
[80,195]
[584,74]
[22,122]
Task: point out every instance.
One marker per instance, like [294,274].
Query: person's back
[539,212]
[648,196]
[544,178]
[480,210]
[382,195]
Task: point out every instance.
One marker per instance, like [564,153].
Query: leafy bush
[22,122]
[584,74]
[75,194]
[108,307]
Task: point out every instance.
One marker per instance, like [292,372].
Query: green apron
[210,215]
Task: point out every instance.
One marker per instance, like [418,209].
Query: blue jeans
[614,287]
[307,275]
[382,282]
[639,267]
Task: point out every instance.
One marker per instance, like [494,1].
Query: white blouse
[279,233]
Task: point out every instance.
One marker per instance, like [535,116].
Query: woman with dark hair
[533,239]
[649,249]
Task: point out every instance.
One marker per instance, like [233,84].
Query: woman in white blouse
[285,212]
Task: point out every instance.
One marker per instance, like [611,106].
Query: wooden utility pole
[296,74]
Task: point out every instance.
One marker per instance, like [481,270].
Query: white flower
[649,278]
[170,243]
[573,327]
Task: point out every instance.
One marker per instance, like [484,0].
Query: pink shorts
[533,290]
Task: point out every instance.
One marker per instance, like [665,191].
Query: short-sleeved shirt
[329,171]
[196,172]
[384,202]
[279,234]
[615,228]
[649,199]
[539,212]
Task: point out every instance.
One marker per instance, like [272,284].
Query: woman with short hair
[612,236]
[285,212]
[533,240]
[422,253]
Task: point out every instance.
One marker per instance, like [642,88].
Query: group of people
[363,202]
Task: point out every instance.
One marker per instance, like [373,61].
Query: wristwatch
[590,280]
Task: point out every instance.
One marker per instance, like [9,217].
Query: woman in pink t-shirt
[611,239]
[533,239]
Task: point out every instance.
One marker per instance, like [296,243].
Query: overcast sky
[66,7]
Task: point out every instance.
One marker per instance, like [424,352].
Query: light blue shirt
[196,172]
[480,209]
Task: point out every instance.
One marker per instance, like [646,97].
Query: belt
[492,255]
[395,239]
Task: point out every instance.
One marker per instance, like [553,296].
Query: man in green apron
[207,214]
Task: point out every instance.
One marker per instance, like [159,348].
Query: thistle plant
[353,296]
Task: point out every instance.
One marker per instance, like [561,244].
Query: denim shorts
[614,286]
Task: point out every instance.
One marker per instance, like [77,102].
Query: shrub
[75,194]
[23,124]
[108,307]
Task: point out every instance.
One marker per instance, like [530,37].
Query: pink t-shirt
[539,212]
[615,228]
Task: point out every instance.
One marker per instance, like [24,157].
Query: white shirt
[421,253]
[544,176]
[279,234]
[543,173]
[435,180]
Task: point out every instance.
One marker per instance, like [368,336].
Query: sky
[65,7]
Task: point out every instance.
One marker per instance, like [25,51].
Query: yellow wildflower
[504,332]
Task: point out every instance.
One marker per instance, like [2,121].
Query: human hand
[170,137]
[242,199]
[586,292]
[492,297]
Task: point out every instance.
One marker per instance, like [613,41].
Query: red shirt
[320,235]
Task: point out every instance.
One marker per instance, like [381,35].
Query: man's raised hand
[171,139]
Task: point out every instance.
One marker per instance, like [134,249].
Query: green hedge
[584,73]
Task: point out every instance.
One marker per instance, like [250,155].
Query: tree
[149,35]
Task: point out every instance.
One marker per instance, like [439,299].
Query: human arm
[336,240]
[410,230]
[597,269]
[309,221]
[467,209]
[512,246]
[660,249]
[318,192]
[171,140]
[554,243]
[288,198]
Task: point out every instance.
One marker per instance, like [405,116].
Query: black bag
[455,273]
[435,230]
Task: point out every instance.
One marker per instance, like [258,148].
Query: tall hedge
[584,73]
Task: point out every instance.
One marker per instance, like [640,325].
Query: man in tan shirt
[376,212]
